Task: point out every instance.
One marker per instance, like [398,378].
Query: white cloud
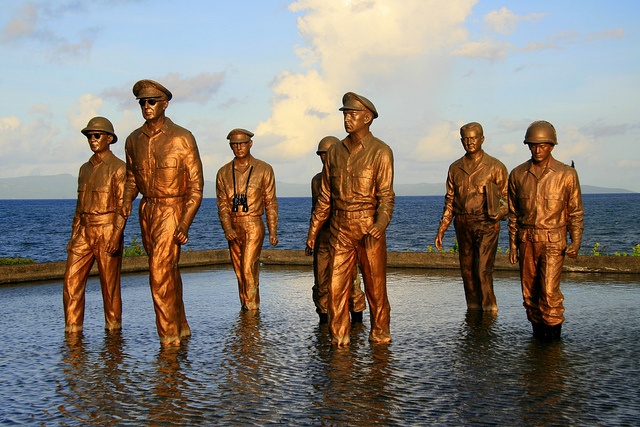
[83,110]
[504,21]
[629,164]
[22,25]
[200,88]
[488,49]
[358,45]
[442,144]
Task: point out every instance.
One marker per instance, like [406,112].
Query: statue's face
[356,120]
[540,152]
[99,141]
[152,108]
[241,150]
[472,140]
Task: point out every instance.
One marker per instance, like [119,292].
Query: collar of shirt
[475,166]
[164,128]
[553,165]
[364,141]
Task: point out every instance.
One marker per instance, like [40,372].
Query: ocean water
[40,229]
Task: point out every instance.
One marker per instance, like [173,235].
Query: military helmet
[540,132]
[325,143]
[100,124]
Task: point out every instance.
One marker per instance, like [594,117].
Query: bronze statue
[476,201]
[163,163]
[245,189]
[96,230]
[545,202]
[357,193]
[321,254]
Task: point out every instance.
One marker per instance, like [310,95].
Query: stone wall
[582,264]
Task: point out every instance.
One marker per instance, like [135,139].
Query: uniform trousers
[158,221]
[540,271]
[477,244]
[322,269]
[350,244]
[245,255]
[87,246]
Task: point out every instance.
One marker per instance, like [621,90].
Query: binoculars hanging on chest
[240,200]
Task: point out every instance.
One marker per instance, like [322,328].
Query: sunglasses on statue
[151,102]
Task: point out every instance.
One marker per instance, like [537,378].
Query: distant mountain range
[64,186]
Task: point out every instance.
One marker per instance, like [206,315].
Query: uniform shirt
[553,201]
[467,185]
[101,187]
[165,164]
[261,193]
[358,181]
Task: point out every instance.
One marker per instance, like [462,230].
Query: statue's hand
[438,241]
[181,235]
[375,232]
[231,236]
[513,254]
[572,250]
[273,239]
[113,244]
[126,209]
[309,248]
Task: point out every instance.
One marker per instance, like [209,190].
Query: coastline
[15,274]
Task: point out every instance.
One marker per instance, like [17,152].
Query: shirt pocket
[100,199]
[362,182]
[167,171]
[553,203]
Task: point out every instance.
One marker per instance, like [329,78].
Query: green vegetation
[598,250]
[135,249]
[452,250]
[16,261]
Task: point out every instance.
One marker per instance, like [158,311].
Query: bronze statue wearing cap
[545,203]
[245,189]
[357,195]
[321,254]
[476,201]
[163,164]
[96,230]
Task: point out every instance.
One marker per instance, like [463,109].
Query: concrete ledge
[582,264]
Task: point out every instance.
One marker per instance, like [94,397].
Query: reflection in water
[545,374]
[277,367]
[168,405]
[94,389]
[352,389]
[477,368]
[246,374]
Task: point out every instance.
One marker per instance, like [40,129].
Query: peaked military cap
[239,135]
[353,101]
[144,89]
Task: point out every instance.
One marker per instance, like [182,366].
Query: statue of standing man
[97,230]
[163,163]
[321,252]
[357,193]
[545,203]
[476,201]
[245,189]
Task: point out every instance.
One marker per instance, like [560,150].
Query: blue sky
[279,68]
